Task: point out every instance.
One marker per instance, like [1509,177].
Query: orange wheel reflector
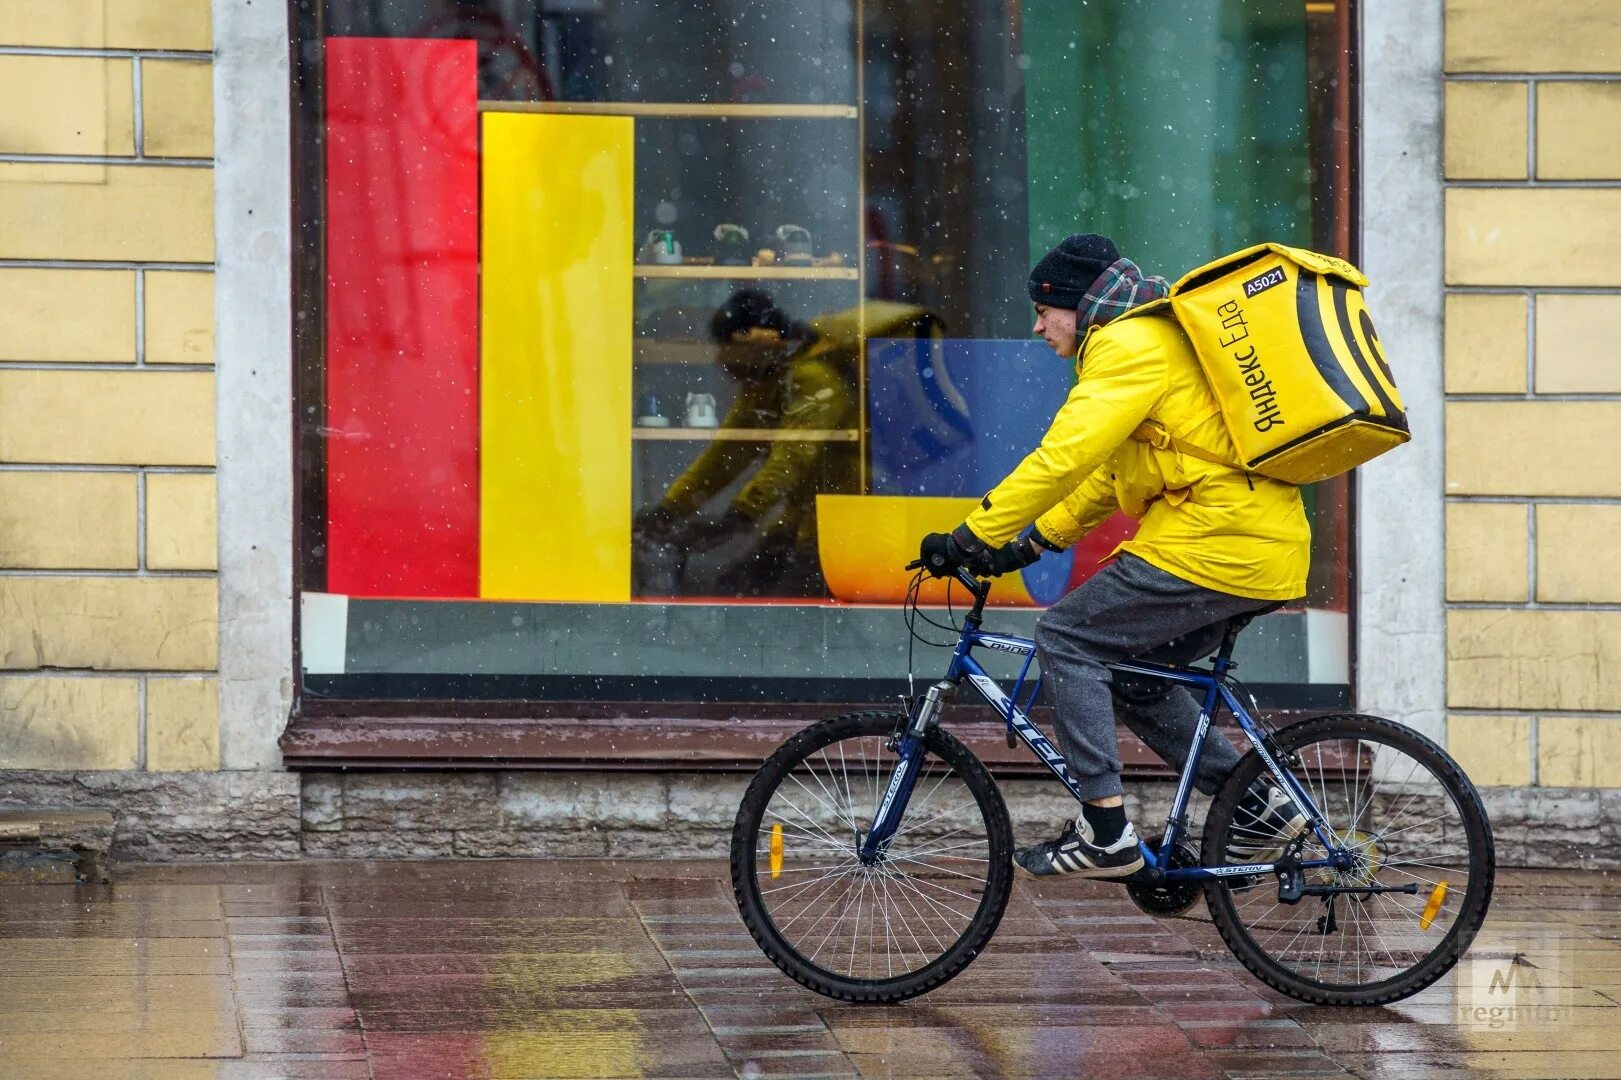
[1438,895]
[776,860]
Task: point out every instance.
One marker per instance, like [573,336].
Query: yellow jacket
[812,392]
[1205,523]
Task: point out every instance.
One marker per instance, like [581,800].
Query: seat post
[1224,656]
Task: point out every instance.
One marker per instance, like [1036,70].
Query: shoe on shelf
[1265,822]
[1075,853]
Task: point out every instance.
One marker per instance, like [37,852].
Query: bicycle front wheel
[881,932]
[1414,880]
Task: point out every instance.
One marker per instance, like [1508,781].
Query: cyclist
[1214,544]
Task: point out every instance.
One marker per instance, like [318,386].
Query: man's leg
[1126,610]
[1165,716]
[1129,609]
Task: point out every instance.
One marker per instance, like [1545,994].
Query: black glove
[943,553]
[1013,556]
[1020,552]
[655,523]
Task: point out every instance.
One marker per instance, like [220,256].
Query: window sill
[609,743]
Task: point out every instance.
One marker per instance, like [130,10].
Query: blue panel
[953,417]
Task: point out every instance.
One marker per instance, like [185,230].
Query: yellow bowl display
[865,542]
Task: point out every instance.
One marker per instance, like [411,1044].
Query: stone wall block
[1522,236]
[168,816]
[321,802]
[1532,35]
[419,801]
[698,843]
[106,212]
[108,24]
[191,845]
[559,843]
[68,316]
[1487,551]
[1569,116]
[148,417]
[1485,343]
[1576,336]
[1520,817]
[1485,131]
[80,105]
[1530,660]
[708,798]
[388,843]
[109,623]
[530,800]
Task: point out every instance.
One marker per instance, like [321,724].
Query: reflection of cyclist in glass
[1215,545]
[797,382]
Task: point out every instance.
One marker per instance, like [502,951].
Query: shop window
[639,341]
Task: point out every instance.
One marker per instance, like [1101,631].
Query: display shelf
[679,434]
[650,350]
[748,273]
[697,109]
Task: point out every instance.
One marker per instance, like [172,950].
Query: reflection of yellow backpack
[1285,339]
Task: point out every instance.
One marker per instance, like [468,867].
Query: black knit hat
[1064,274]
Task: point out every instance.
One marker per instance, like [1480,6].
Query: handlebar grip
[915,564]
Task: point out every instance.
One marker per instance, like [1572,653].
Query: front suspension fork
[909,763]
[896,796]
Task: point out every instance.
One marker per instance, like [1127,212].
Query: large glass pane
[640,340]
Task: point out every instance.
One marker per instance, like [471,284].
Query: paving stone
[620,968]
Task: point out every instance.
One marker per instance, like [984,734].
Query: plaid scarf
[1117,290]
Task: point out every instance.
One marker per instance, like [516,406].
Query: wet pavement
[642,969]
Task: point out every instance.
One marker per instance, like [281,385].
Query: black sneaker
[1074,853]
[1265,822]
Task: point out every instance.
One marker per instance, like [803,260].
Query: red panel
[402,317]
[1097,546]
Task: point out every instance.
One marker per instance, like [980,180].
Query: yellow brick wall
[109,632]
[1533,385]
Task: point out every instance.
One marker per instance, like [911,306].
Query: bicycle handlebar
[977,588]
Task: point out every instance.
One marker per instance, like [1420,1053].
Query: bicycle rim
[891,929]
[1410,821]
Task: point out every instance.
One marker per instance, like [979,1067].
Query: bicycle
[1399,860]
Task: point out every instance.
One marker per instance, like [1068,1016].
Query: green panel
[1177,128]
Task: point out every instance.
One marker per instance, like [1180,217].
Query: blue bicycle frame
[1210,683]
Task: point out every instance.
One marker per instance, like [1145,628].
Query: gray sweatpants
[1133,610]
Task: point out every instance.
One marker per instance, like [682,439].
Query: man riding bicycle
[1214,544]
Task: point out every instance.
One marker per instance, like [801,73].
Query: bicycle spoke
[915,900]
[1388,824]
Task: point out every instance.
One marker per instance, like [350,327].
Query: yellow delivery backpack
[1285,339]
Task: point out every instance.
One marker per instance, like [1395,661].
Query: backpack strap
[1154,433]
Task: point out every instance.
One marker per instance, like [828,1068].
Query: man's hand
[943,553]
[655,523]
[1020,552]
[1013,556]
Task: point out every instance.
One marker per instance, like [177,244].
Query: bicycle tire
[745,847]
[1481,863]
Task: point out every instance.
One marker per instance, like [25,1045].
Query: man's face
[1057,326]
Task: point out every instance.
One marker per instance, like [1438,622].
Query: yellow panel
[865,542]
[555,364]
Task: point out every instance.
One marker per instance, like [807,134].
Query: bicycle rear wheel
[894,929]
[1408,818]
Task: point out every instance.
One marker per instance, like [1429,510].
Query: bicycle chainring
[1167,898]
